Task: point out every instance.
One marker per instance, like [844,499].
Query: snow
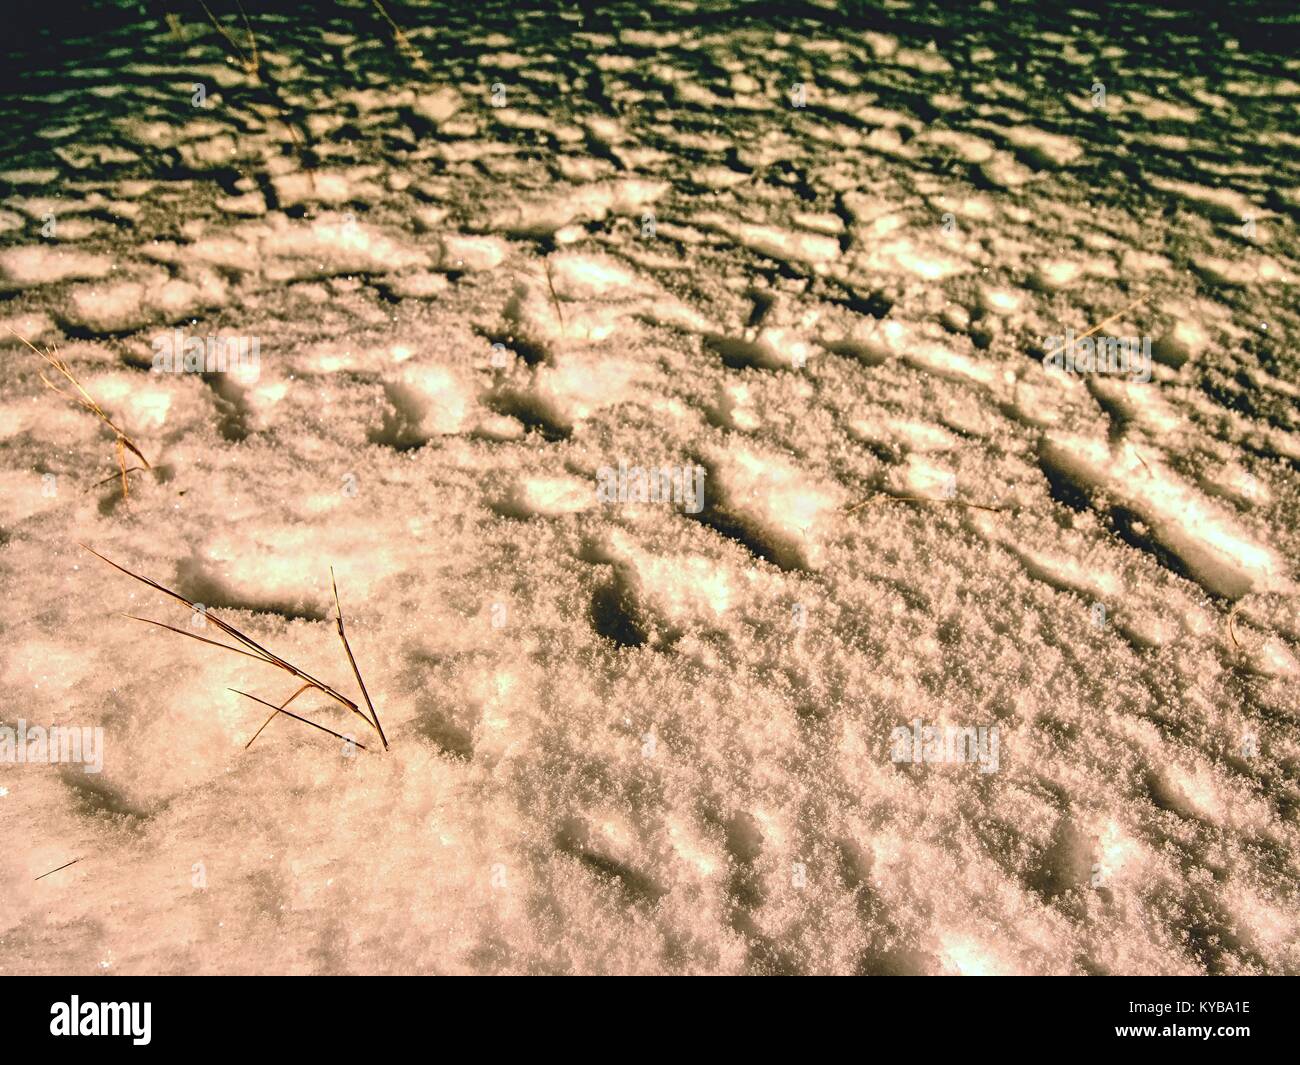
[636,734]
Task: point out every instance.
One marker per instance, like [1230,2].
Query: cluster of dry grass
[83,399]
[408,50]
[252,649]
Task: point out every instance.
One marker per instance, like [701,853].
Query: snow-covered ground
[494,260]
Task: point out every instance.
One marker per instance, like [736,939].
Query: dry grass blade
[53,871]
[304,720]
[115,476]
[1103,323]
[201,639]
[85,400]
[559,314]
[924,499]
[356,672]
[252,38]
[254,649]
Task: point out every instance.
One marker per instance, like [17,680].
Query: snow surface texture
[493,256]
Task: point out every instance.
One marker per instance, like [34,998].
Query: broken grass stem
[305,687]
